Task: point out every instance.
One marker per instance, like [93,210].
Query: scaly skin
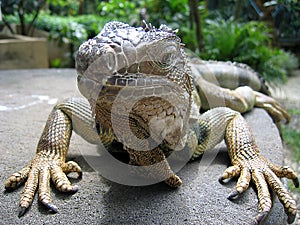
[141,91]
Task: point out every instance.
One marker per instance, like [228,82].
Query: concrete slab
[26,99]
[23,52]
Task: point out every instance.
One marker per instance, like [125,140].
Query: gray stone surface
[26,99]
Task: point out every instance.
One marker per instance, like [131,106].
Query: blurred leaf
[248,43]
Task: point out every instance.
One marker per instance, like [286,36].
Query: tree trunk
[21,17]
[238,9]
[81,9]
[268,18]
[193,4]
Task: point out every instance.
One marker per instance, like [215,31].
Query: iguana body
[142,92]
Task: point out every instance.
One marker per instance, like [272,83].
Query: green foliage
[168,12]
[21,8]
[10,7]
[226,9]
[121,10]
[171,12]
[67,30]
[56,63]
[287,18]
[246,43]
[291,135]
[230,40]
[285,14]
[71,29]
[63,7]
[92,23]
[64,29]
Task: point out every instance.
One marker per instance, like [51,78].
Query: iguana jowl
[142,77]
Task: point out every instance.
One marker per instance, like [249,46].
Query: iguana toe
[29,188]
[174,181]
[61,181]
[72,167]
[17,179]
[284,171]
[265,176]
[230,172]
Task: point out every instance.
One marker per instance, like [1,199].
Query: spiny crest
[114,25]
[163,27]
[156,34]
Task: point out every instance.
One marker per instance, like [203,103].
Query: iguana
[142,91]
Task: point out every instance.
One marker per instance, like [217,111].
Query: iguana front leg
[253,166]
[248,163]
[50,159]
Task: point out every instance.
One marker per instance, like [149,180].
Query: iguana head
[122,51]
[138,75]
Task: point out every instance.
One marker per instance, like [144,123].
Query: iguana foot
[38,174]
[263,173]
[276,111]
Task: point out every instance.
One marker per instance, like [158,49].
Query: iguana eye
[167,59]
[109,61]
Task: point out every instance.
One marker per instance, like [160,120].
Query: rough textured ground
[26,99]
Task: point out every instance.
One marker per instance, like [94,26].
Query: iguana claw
[260,216]
[22,211]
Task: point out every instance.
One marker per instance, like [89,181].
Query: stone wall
[22,52]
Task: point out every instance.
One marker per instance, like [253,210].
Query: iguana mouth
[139,83]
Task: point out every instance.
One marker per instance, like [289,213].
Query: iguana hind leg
[248,164]
[229,75]
[241,99]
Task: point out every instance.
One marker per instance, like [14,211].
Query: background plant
[287,18]
[70,30]
[64,7]
[20,8]
[248,43]
[121,10]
